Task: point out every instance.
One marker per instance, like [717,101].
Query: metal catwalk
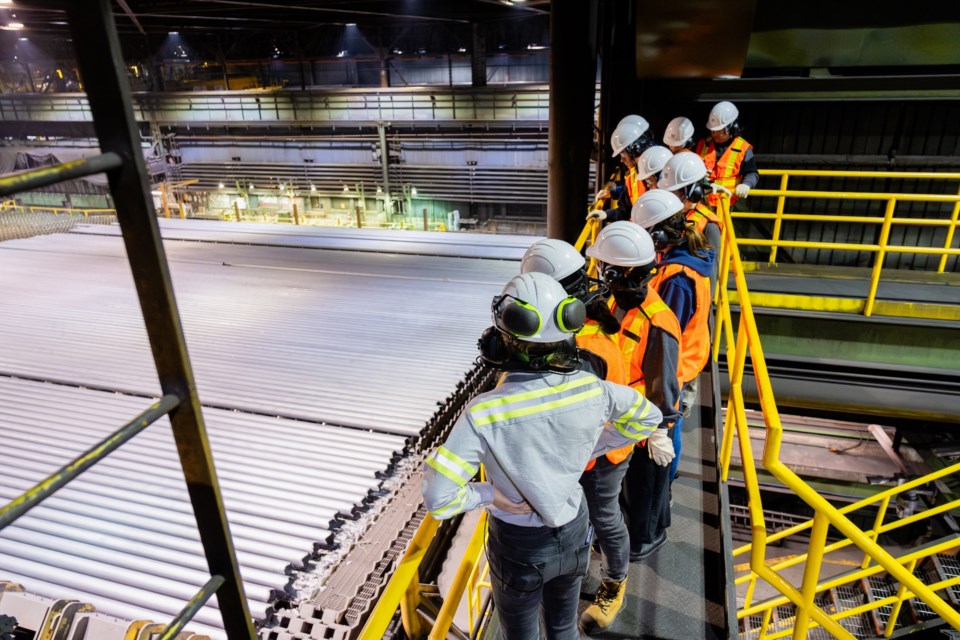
[315,367]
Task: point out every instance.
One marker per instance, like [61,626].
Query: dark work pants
[537,571]
[601,485]
[645,498]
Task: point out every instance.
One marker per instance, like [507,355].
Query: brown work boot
[606,605]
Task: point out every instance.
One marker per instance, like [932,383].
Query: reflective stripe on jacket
[726,170]
[695,341]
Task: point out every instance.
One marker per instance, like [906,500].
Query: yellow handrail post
[412,625]
[877,525]
[811,575]
[950,231]
[765,623]
[732,421]
[881,254]
[471,559]
[778,221]
[901,596]
[163,200]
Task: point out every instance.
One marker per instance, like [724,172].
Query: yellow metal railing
[882,247]
[746,342]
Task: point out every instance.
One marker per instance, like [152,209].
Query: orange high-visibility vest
[633,334]
[703,215]
[593,339]
[695,341]
[726,170]
[635,186]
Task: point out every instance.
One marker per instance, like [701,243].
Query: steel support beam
[617,52]
[98,51]
[478,57]
[573,70]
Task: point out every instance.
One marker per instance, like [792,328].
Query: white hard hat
[655,206]
[623,244]
[652,161]
[682,170]
[555,258]
[625,134]
[722,115]
[679,132]
[534,308]
[640,121]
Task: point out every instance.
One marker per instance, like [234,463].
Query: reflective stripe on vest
[695,341]
[634,334]
[702,216]
[635,186]
[604,345]
[726,170]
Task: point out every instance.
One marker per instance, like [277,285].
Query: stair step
[879,587]
[850,596]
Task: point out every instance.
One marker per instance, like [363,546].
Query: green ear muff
[520,318]
[571,314]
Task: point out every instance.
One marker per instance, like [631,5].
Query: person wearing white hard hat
[603,476]
[629,140]
[534,453]
[728,157]
[685,175]
[650,164]
[683,282]
[650,341]
[678,135]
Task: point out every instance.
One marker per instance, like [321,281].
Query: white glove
[660,447]
[597,214]
[742,191]
[717,188]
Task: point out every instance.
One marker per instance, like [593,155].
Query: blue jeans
[677,447]
[601,485]
[538,570]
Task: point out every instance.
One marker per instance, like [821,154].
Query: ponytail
[696,241]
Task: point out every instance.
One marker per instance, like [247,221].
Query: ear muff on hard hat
[669,232]
[695,192]
[571,314]
[517,317]
[493,349]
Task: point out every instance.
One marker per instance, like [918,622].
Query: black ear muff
[519,318]
[571,314]
[695,193]
[734,129]
[660,239]
[493,350]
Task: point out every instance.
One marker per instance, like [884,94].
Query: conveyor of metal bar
[316,367]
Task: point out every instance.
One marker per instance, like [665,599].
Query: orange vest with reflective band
[633,334]
[695,341]
[607,347]
[635,186]
[726,170]
[703,215]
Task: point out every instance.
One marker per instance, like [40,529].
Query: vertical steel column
[573,72]
[617,49]
[478,57]
[385,166]
[98,51]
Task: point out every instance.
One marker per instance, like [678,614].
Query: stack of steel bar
[316,367]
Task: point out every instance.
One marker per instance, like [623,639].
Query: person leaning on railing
[683,282]
[729,158]
[534,433]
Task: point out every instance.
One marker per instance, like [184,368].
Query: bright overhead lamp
[173,33]
[13,26]
[351,24]
[221,185]
[413,191]
[313,188]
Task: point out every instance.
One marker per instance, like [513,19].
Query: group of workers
[582,435]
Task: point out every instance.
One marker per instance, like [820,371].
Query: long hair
[696,241]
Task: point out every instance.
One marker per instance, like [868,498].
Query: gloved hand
[660,447]
[717,188]
[742,191]
[597,214]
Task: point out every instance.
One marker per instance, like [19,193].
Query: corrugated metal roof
[332,357]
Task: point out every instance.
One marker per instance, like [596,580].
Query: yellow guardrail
[746,341]
[882,246]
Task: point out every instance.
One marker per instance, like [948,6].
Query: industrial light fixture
[6,2]
[379,190]
[413,191]
[173,33]
[13,26]
[461,50]
[342,54]
[535,47]
[313,188]
[220,185]
[346,189]
[351,24]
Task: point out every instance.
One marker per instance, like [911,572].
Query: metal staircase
[863,593]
